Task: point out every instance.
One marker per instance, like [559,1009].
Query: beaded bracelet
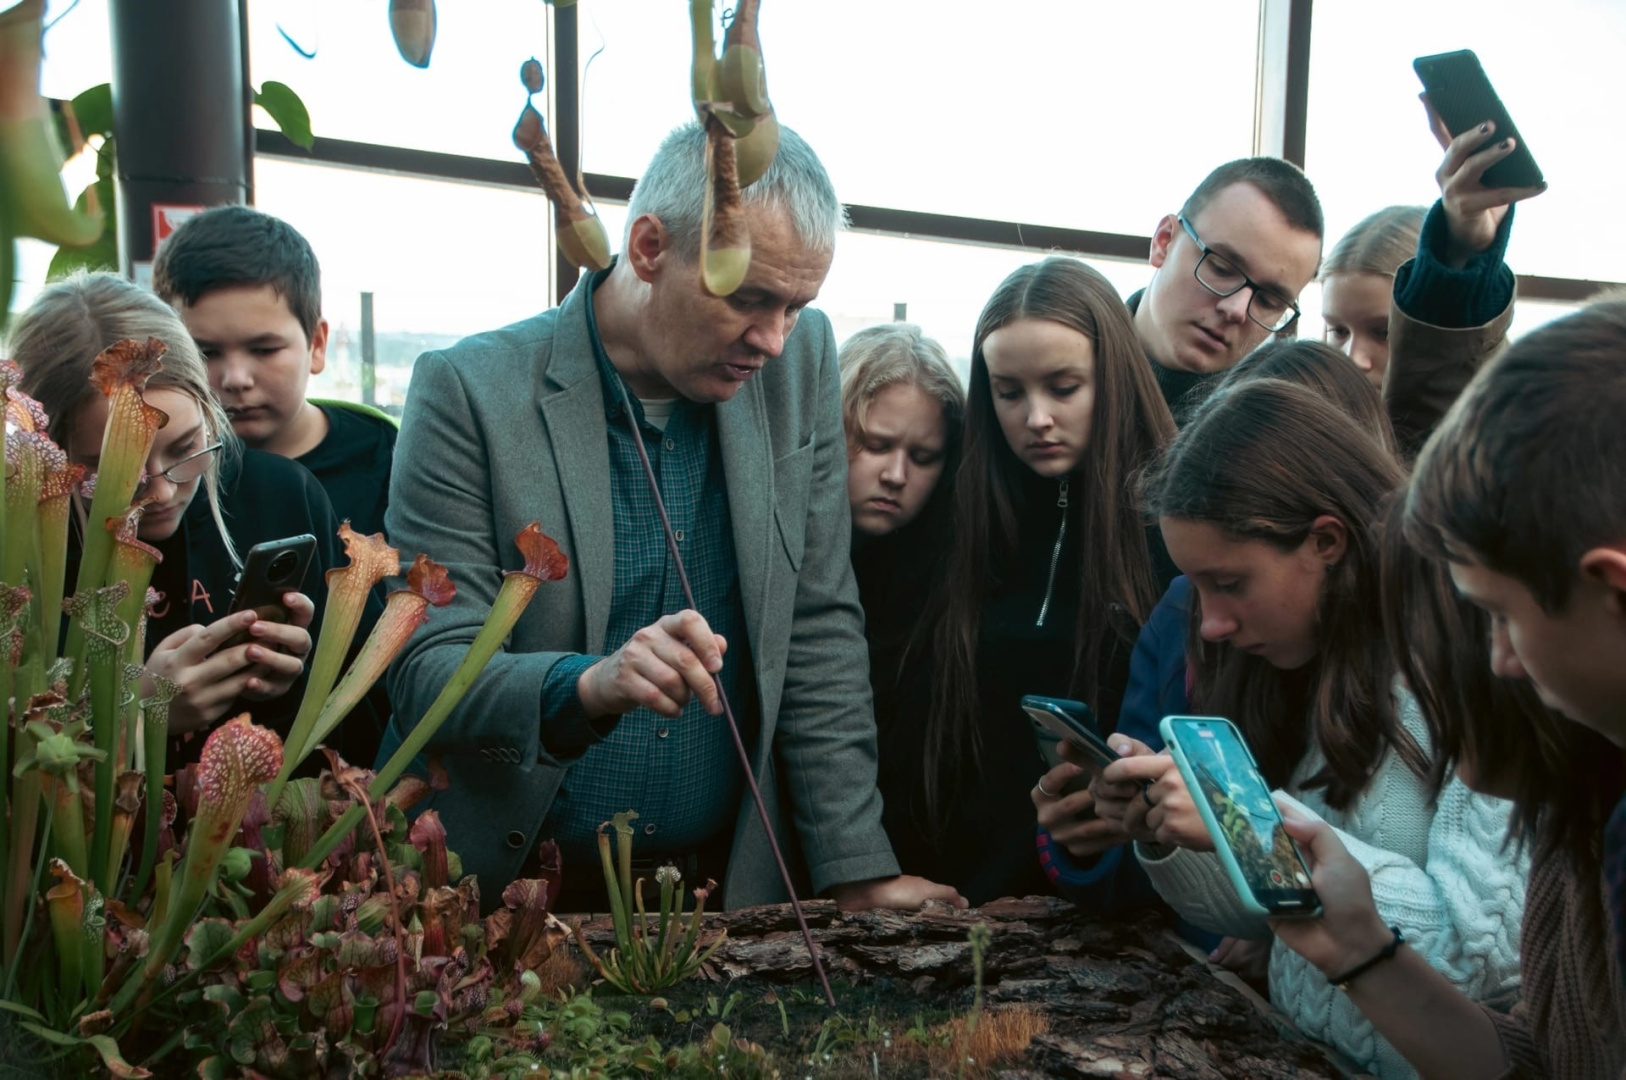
[1386,953]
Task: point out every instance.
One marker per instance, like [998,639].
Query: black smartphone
[1260,858]
[1072,721]
[269,570]
[1463,96]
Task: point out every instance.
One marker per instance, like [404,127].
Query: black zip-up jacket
[985,847]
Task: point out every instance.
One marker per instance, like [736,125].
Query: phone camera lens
[282,567]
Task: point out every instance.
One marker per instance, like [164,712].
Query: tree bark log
[1125,997]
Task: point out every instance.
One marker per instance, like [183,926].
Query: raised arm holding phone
[1453,303]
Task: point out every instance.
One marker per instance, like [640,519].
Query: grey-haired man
[603,700]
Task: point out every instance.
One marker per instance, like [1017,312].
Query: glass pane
[33,258]
[1529,314]
[1555,66]
[357,86]
[442,261]
[78,47]
[942,286]
[1043,111]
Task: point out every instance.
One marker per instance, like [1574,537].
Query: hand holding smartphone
[1462,96]
[1260,858]
[270,570]
[1070,721]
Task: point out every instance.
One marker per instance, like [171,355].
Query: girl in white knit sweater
[1270,501]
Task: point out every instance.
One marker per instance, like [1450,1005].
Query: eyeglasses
[1222,277]
[186,470]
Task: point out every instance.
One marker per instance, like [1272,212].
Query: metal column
[180,112]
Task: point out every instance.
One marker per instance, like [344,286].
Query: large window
[441,260]
[942,286]
[78,47]
[1055,112]
[1556,66]
[357,87]
[1084,116]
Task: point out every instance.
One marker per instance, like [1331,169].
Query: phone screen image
[1244,811]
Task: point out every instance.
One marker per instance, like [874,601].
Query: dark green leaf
[102,1044]
[242,1048]
[287,111]
[227,997]
[93,109]
[357,950]
[21,1010]
[424,1003]
[207,937]
[300,971]
[404,857]
[324,913]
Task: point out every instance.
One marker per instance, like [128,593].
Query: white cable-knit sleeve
[1196,886]
[1460,911]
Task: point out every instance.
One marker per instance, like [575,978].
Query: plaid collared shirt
[682,776]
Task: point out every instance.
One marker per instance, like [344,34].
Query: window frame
[1281,117]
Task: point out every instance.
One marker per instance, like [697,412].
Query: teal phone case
[1222,847]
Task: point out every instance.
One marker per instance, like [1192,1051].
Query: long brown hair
[1326,371]
[1262,461]
[1129,426]
[1562,778]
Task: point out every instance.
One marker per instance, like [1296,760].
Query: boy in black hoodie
[248,287]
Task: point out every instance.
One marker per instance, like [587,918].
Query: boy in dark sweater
[248,287]
[1521,491]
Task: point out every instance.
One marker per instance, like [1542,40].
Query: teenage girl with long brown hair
[1271,502]
[1051,571]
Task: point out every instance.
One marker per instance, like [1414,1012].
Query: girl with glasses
[247,498]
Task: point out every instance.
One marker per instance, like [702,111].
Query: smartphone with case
[1461,93]
[1260,858]
[1070,721]
[270,570]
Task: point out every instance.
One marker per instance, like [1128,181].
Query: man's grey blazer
[507,428]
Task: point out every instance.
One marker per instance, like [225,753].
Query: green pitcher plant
[234,917]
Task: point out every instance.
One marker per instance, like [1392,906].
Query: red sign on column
[166,218]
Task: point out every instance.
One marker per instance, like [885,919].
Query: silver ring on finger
[1042,790]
